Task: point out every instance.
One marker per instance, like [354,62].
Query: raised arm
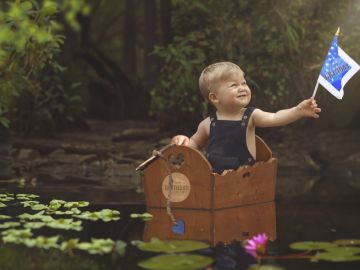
[306,108]
[198,140]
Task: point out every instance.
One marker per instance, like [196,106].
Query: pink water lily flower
[256,246]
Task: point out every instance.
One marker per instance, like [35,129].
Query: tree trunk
[166,10]
[150,40]
[129,34]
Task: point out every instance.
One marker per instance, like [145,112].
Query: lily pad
[4,217]
[76,204]
[143,216]
[34,225]
[37,216]
[65,224]
[97,246]
[347,242]
[2,204]
[264,267]
[335,256]
[10,224]
[42,242]
[171,246]
[176,262]
[26,197]
[312,245]
[72,243]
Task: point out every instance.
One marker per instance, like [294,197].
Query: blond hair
[213,74]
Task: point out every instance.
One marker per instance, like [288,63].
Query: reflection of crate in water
[213,226]
[195,186]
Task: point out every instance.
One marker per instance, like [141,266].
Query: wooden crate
[196,186]
[214,226]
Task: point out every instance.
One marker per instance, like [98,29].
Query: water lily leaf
[65,224]
[120,247]
[42,242]
[72,243]
[2,204]
[76,204]
[55,204]
[6,198]
[144,216]
[97,246]
[40,216]
[88,216]
[105,215]
[311,245]
[171,246]
[4,217]
[347,242]
[24,233]
[10,224]
[264,267]
[34,225]
[29,203]
[39,206]
[26,197]
[176,262]
[337,257]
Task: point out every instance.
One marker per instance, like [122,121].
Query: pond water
[284,222]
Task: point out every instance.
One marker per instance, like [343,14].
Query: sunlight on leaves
[76,204]
[176,262]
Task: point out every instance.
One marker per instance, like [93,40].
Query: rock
[135,134]
[28,154]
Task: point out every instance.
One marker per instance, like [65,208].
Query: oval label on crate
[180,188]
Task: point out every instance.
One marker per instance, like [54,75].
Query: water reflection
[213,226]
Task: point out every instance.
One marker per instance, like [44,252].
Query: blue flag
[337,70]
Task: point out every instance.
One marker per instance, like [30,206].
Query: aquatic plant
[42,242]
[176,262]
[4,217]
[26,197]
[97,246]
[16,236]
[143,216]
[37,216]
[34,225]
[170,246]
[256,246]
[76,204]
[10,224]
[105,215]
[6,197]
[2,204]
[65,224]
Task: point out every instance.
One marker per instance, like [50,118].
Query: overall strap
[246,116]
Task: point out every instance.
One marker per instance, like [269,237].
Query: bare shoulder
[202,134]
[204,125]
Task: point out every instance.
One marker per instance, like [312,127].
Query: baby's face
[233,91]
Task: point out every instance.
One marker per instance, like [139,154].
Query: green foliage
[177,262]
[171,246]
[29,44]
[175,97]
[280,45]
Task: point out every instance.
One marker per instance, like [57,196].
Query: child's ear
[213,98]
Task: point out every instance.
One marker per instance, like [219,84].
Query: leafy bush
[29,44]
[280,46]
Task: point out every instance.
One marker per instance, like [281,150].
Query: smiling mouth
[241,96]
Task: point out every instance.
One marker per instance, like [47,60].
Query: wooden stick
[315,89]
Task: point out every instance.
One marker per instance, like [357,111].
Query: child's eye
[233,85]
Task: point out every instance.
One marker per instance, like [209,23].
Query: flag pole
[315,89]
[317,83]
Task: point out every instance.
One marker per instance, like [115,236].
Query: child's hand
[309,108]
[180,140]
